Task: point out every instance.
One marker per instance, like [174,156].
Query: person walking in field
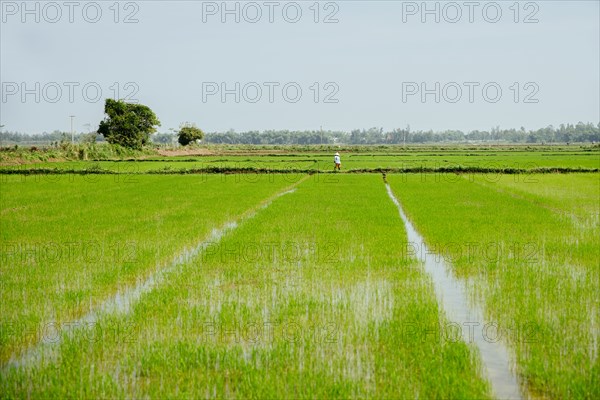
[337,162]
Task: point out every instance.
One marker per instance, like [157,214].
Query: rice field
[531,257]
[356,159]
[275,285]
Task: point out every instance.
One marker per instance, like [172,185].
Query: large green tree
[189,133]
[129,125]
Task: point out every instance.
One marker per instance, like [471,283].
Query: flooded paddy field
[298,285]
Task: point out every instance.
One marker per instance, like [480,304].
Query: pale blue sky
[377,51]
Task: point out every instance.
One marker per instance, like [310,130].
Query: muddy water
[453,300]
[121,303]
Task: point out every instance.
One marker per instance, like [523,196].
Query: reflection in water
[121,303]
[452,298]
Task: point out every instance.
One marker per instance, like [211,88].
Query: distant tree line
[48,138]
[565,133]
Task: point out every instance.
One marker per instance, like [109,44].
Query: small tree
[126,124]
[189,133]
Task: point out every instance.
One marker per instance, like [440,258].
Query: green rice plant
[528,247]
[369,159]
[70,241]
[312,297]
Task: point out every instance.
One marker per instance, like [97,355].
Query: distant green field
[409,159]
[296,285]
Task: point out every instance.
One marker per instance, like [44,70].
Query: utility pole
[72,134]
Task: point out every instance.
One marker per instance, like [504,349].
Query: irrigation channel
[450,292]
[121,303]
[452,298]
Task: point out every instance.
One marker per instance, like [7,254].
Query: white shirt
[336,159]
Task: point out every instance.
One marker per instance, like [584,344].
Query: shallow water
[121,302]
[452,298]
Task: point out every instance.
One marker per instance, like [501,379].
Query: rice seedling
[532,265]
[68,242]
[312,297]
[365,158]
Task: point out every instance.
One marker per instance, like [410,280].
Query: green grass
[311,298]
[322,273]
[575,197]
[69,242]
[352,159]
[530,250]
